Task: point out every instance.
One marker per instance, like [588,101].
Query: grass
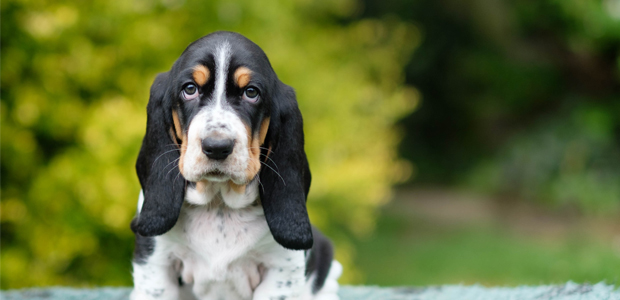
[414,249]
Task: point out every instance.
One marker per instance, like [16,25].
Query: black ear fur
[283,196]
[163,186]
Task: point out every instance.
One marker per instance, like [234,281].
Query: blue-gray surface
[568,291]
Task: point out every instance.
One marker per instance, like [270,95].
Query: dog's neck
[230,194]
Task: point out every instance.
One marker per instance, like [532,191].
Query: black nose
[217,148]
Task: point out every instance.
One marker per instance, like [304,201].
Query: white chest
[222,248]
[215,248]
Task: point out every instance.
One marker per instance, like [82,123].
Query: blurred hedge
[519,98]
[75,81]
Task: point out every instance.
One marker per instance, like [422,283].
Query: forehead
[236,49]
[223,64]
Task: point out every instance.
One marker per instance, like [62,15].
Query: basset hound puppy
[224,176]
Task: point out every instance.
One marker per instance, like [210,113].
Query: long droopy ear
[286,182]
[157,166]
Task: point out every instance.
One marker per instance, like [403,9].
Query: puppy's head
[222,115]
[224,88]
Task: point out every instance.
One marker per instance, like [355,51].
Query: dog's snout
[217,149]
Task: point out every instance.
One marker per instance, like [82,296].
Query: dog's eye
[250,94]
[190,92]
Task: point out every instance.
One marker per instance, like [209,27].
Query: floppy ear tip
[299,241]
[148,228]
[138,227]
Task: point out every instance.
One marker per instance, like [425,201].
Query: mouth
[216,176]
[215,173]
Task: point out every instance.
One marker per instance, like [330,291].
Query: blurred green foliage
[75,82]
[519,98]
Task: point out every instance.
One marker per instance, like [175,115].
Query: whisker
[274,163]
[163,155]
[268,166]
[173,166]
[260,184]
[262,148]
[178,175]
[275,172]
[173,161]
[182,148]
[267,156]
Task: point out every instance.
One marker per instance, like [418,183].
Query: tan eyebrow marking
[201,74]
[242,76]
[177,124]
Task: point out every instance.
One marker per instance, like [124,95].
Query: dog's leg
[153,281]
[284,277]
[156,272]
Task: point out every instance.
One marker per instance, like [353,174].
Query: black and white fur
[235,227]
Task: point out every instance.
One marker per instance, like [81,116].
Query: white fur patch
[221,71]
